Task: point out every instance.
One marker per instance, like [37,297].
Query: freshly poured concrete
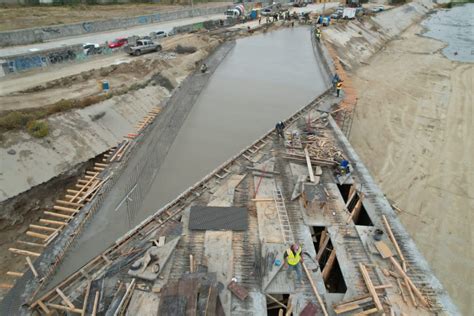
[263,79]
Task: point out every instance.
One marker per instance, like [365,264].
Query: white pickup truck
[142,46]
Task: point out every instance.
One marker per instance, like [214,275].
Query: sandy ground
[413,128]
[12,18]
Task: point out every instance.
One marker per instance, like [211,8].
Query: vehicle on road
[90,48]
[378,8]
[119,42]
[159,34]
[300,4]
[235,12]
[142,46]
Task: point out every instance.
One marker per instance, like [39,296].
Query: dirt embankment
[413,128]
[20,17]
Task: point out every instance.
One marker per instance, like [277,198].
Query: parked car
[119,42]
[90,48]
[142,46]
[159,34]
[378,8]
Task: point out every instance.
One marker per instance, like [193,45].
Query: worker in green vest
[293,260]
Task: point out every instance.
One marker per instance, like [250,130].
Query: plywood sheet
[143,303]
[219,257]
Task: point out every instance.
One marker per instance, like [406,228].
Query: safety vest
[293,259]
[339,85]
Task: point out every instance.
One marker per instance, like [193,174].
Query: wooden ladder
[283,216]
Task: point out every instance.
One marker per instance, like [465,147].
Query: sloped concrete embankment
[136,170]
[358,40]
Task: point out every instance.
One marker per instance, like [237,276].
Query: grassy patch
[38,129]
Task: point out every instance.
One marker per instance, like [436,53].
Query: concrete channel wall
[47,33]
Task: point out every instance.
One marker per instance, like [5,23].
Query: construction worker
[338,88]
[203,68]
[280,127]
[335,80]
[318,34]
[293,260]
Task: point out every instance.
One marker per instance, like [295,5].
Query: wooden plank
[402,292]
[410,293]
[276,301]
[33,244]
[394,241]
[370,287]
[6,286]
[69,203]
[37,235]
[308,164]
[86,298]
[65,209]
[64,308]
[66,299]
[44,307]
[49,229]
[315,290]
[410,283]
[329,264]
[58,215]
[48,221]
[24,252]
[15,274]
[350,306]
[383,249]
[32,267]
[356,211]
[367,312]
[96,302]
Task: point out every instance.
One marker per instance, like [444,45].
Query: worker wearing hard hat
[338,88]
[293,259]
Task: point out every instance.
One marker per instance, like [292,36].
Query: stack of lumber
[320,148]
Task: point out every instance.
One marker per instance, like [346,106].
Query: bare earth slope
[414,127]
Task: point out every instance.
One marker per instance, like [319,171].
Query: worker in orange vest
[338,88]
[293,260]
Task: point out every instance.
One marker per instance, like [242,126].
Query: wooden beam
[69,203]
[64,308]
[33,244]
[356,211]
[402,292]
[329,264]
[370,287]
[315,290]
[86,297]
[66,299]
[49,229]
[191,263]
[96,302]
[15,274]
[367,312]
[69,196]
[32,267]
[410,293]
[276,301]
[308,164]
[58,215]
[6,286]
[24,252]
[65,209]
[44,307]
[37,235]
[410,283]
[48,221]
[394,242]
[322,248]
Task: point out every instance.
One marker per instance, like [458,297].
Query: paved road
[139,30]
[107,36]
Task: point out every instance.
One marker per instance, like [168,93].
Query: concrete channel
[261,80]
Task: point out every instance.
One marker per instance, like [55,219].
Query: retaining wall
[42,34]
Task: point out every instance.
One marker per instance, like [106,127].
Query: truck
[235,12]
[142,46]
